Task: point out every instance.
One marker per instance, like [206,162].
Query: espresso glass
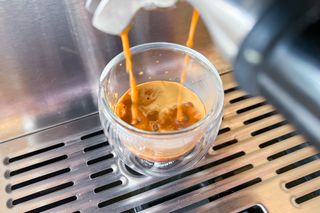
[161,153]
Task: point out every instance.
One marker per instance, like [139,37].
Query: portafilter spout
[113,16]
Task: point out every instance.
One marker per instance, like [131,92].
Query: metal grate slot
[260,117]
[298,164]
[288,151]
[97,146]
[224,130]
[231,90]
[108,186]
[241,98]
[268,128]
[38,165]
[278,139]
[39,151]
[53,205]
[101,173]
[302,180]
[38,179]
[41,193]
[235,189]
[225,144]
[308,196]
[91,135]
[254,106]
[99,159]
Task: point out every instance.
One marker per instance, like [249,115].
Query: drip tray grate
[258,163]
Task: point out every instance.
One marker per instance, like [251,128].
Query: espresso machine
[55,157]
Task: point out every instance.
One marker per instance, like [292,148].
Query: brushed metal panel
[51,58]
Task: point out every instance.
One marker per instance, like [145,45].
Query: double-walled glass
[161,153]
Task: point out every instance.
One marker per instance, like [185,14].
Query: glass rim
[214,112]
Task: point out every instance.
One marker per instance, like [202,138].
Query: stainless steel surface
[91,5]
[257,159]
[50,61]
[230,21]
[52,57]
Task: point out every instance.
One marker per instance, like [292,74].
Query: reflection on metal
[52,57]
[257,159]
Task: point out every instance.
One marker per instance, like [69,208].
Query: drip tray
[259,163]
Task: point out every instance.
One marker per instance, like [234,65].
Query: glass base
[167,168]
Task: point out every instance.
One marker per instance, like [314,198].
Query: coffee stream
[132,79]
[159,105]
[192,30]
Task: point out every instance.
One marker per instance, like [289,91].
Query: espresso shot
[157,107]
